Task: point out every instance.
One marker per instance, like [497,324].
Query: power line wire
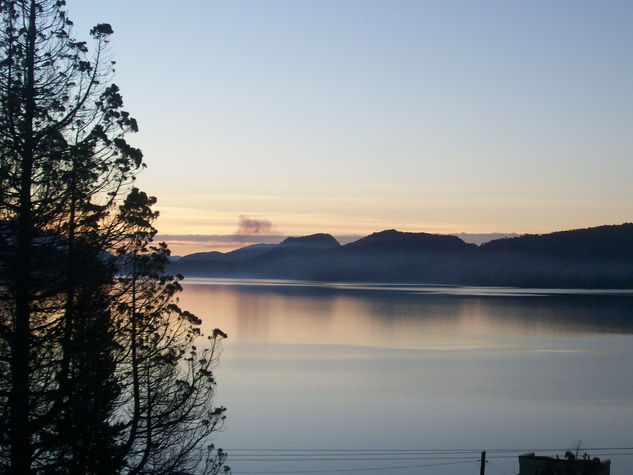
[448,456]
[365,469]
[477,450]
[342,459]
[296,454]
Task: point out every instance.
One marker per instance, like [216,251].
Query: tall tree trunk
[70,296]
[20,344]
[136,416]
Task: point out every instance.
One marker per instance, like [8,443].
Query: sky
[350,117]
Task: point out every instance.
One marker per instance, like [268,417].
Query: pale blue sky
[355,116]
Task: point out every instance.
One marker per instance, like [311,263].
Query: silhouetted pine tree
[83,436]
[97,373]
[169,381]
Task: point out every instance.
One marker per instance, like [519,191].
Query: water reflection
[365,316]
[372,367]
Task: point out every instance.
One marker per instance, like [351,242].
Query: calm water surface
[349,378]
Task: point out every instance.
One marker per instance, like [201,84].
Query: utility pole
[482,469]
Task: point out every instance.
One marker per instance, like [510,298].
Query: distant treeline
[600,257]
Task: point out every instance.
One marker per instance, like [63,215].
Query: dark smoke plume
[253,226]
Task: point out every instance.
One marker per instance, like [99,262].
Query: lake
[357,378]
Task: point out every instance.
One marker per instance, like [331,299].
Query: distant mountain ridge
[391,240]
[593,257]
[320,240]
[609,240]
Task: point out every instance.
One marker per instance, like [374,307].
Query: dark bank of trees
[99,368]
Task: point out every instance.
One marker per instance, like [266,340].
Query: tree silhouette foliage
[99,367]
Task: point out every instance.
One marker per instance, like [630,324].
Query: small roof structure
[531,464]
